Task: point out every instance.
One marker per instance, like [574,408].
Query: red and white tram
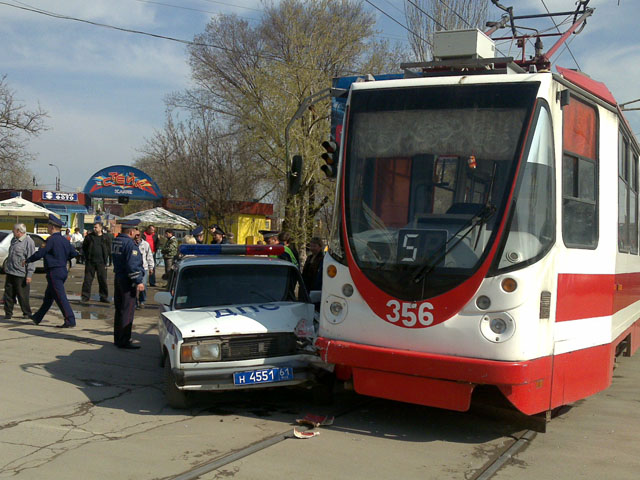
[486,233]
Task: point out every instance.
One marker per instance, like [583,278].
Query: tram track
[491,468]
[256,447]
[521,440]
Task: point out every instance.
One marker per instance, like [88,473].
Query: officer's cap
[199,230]
[268,233]
[216,229]
[129,222]
[55,221]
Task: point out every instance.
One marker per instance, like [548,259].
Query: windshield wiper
[269,298]
[478,218]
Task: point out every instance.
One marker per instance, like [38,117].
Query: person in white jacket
[147,263]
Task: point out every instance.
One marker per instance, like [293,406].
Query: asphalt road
[74,406]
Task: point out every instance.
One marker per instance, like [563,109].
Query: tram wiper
[478,219]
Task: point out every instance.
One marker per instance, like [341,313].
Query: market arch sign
[122,181]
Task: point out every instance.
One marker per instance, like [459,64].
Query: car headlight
[200,352]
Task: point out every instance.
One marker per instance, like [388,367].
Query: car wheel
[176,398]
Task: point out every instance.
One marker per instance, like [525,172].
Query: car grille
[247,347]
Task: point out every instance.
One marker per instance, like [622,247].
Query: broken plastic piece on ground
[304,434]
[315,420]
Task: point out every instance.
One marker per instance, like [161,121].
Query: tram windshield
[428,172]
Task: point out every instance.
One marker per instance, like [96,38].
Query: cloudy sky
[104,89]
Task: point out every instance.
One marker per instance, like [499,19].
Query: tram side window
[579,176]
[627,197]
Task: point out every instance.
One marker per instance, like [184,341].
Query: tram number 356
[409,313]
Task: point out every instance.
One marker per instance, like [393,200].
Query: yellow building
[251,217]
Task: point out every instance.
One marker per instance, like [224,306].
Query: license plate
[267,375]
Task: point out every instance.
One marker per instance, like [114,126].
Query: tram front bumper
[442,381]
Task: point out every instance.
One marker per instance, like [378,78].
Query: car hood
[240,320]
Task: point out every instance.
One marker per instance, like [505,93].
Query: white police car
[235,322]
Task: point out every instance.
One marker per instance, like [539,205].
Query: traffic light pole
[306,103]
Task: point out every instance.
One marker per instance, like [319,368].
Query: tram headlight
[497,327]
[347,289]
[335,308]
[483,302]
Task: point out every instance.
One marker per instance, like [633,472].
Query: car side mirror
[315,296]
[163,298]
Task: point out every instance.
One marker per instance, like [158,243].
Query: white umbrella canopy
[162,218]
[19,207]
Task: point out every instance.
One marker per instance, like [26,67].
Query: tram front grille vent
[545,304]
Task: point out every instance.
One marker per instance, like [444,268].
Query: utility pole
[57,178]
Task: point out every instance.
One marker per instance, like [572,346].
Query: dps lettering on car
[231,311]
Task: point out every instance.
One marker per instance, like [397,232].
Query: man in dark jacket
[56,252]
[313,265]
[96,248]
[129,274]
[217,235]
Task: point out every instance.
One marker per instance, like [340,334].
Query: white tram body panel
[571,309]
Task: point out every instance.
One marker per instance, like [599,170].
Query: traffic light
[295,175]
[330,157]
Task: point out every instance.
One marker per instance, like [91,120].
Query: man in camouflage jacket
[169,253]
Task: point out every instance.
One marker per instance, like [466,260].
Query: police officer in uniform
[129,275]
[218,235]
[198,234]
[56,252]
[271,238]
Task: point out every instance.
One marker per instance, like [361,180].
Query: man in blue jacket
[56,252]
[129,275]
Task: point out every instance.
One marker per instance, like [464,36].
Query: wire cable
[456,13]
[188,8]
[399,23]
[113,27]
[154,35]
[233,5]
[558,28]
[427,15]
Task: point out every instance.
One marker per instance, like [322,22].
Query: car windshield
[3,235]
[216,285]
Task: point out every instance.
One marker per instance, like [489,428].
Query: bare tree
[256,77]
[16,125]
[203,165]
[424,17]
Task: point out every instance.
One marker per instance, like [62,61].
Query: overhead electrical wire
[454,11]
[394,6]
[399,23]
[233,5]
[140,32]
[187,8]
[566,44]
[113,27]
[427,15]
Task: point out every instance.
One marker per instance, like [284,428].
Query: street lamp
[57,178]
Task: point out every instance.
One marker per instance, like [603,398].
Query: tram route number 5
[409,313]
